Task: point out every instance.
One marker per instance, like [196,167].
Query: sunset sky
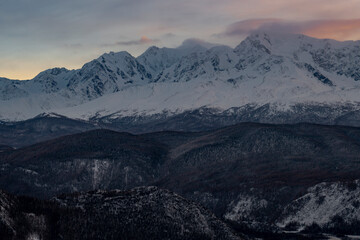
[40,34]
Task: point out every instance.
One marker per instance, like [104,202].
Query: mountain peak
[279,43]
[270,39]
[152,50]
[115,55]
[285,41]
[52,71]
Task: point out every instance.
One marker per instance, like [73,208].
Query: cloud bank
[335,29]
[141,41]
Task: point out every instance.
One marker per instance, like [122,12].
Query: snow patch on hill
[322,203]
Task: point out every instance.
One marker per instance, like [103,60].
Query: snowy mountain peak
[108,74]
[157,59]
[113,56]
[290,42]
[54,71]
[278,43]
[266,68]
[153,50]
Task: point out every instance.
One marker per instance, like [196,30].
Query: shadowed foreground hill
[246,173]
[40,128]
[85,161]
[141,213]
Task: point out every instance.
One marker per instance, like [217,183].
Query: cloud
[169,35]
[142,41]
[248,26]
[297,10]
[335,29]
[191,42]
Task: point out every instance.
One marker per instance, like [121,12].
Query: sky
[39,34]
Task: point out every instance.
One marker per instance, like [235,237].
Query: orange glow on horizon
[18,75]
[19,70]
[27,69]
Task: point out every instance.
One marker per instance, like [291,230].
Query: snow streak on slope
[282,70]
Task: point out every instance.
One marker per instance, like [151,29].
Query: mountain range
[268,77]
[204,140]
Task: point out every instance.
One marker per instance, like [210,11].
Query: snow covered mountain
[283,72]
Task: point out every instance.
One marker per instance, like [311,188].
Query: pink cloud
[145,40]
[297,10]
[335,29]
[142,41]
